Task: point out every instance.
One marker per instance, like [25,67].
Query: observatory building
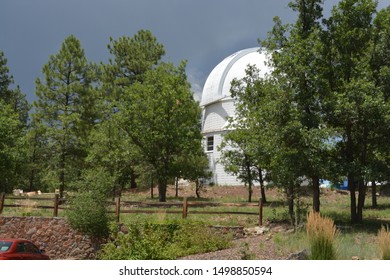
[218,106]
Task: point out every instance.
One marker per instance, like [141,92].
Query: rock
[31,231]
[256,230]
[301,255]
[355,258]
[17,192]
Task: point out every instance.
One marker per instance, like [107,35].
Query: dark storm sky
[200,31]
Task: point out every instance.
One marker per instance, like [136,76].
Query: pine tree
[65,109]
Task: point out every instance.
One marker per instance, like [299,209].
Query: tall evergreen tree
[13,97]
[13,152]
[65,109]
[11,132]
[132,57]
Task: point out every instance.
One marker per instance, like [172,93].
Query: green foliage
[133,56]
[241,159]
[168,127]
[13,97]
[13,121]
[112,149]
[357,106]
[88,214]
[152,241]
[65,112]
[11,152]
[323,110]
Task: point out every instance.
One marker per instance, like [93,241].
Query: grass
[384,242]
[321,233]
[348,245]
[29,206]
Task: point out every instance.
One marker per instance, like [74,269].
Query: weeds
[246,253]
[170,240]
[384,242]
[321,233]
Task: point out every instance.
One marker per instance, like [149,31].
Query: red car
[20,249]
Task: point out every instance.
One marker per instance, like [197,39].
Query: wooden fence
[55,202]
[128,207]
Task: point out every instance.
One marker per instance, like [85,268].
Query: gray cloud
[200,31]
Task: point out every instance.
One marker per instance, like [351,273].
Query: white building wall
[220,177]
[216,115]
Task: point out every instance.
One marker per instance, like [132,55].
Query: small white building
[218,106]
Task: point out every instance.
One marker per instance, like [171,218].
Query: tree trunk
[316,194]
[373,193]
[151,187]
[352,188]
[249,176]
[62,175]
[361,200]
[250,191]
[133,177]
[197,188]
[33,169]
[262,188]
[351,176]
[362,187]
[290,201]
[177,187]
[162,190]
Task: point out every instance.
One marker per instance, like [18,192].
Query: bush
[153,241]
[321,234]
[88,214]
[384,242]
[196,238]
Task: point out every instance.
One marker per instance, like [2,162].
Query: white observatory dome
[218,106]
[217,85]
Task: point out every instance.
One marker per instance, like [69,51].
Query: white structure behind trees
[218,106]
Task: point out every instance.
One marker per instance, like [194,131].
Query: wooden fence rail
[127,207]
[55,200]
[185,205]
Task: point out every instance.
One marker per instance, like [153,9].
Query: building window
[210,143]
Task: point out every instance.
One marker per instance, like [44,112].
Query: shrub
[153,241]
[191,239]
[384,242]
[321,234]
[88,214]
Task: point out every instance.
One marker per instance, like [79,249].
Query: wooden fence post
[260,212]
[2,199]
[185,208]
[56,203]
[117,208]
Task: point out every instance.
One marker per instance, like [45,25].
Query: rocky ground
[257,243]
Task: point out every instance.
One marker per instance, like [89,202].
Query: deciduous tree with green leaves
[297,65]
[239,158]
[358,106]
[161,118]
